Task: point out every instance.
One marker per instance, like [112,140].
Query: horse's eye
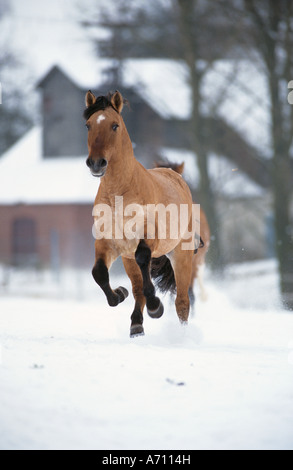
[115,127]
[87,126]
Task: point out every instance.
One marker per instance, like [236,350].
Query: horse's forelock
[101,103]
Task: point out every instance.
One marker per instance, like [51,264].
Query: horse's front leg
[143,257]
[134,274]
[104,258]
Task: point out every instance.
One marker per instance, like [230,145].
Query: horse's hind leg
[100,274]
[134,274]
[182,265]
[143,257]
[191,292]
[191,296]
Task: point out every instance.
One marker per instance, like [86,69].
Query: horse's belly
[127,248]
[164,247]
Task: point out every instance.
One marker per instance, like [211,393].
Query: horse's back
[171,185]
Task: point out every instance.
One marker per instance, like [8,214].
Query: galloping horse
[111,158]
[198,262]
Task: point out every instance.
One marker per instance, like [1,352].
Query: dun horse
[198,262]
[111,158]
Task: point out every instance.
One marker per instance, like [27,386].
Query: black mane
[166,164]
[101,103]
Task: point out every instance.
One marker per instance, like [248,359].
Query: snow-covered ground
[71,378]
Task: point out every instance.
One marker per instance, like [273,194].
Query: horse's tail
[163,275]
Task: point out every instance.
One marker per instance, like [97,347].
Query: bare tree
[273,39]
[14,117]
[188,11]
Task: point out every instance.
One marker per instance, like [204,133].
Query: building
[46,206]
[46,190]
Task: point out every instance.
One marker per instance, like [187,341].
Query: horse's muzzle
[97,166]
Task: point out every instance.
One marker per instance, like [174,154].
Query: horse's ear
[89,99]
[117,101]
[180,168]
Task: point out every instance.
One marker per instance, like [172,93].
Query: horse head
[108,139]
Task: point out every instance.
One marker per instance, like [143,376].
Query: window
[24,242]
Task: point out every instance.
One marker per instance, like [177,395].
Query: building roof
[27,178]
[87,75]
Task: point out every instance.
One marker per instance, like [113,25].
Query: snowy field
[71,378]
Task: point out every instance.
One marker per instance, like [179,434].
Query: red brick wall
[72,223]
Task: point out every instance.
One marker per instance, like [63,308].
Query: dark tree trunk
[198,131]
[281,142]
[282,193]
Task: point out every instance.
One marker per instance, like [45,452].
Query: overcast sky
[48,32]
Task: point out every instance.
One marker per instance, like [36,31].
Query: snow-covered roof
[86,74]
[26,177]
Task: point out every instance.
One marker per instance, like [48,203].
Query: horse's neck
[121,177]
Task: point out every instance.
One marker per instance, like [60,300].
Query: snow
[71,378]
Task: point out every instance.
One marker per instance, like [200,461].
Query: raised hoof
[122,293]
[136,330]
[156,313]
